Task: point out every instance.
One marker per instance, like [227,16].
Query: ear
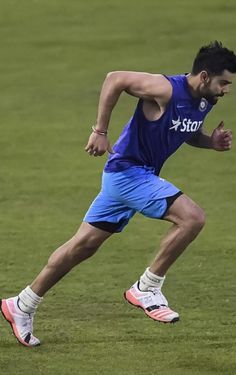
[204,77]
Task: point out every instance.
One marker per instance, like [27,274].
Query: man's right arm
[152,87]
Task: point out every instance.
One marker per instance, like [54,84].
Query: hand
[221,138]
[98,145]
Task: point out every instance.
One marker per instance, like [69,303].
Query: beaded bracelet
[98,131]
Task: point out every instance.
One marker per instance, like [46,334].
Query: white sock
[150,280]
[28,300]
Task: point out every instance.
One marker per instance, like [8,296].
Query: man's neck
[193,85]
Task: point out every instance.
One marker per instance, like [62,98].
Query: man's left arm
[219,140]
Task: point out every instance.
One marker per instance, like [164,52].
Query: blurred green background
[54,56]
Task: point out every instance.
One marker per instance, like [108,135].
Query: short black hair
[214,58]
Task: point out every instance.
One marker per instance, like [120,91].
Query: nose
[225,90]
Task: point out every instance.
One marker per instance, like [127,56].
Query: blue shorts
[136,189]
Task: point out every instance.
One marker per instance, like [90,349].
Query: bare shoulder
[161,81]
[154,108]
[164,89]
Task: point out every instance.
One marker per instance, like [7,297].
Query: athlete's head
[215,66]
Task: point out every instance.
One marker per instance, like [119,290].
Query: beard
[210,96]
[212,99]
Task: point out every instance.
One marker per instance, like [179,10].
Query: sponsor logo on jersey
[187,125]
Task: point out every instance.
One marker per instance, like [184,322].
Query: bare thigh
[90,236]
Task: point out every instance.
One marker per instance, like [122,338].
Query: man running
[170,111]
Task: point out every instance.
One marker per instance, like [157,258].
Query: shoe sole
[174,320]
[8,317]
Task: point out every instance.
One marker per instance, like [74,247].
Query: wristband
[98,131]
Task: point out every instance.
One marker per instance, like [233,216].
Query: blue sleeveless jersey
[150,143]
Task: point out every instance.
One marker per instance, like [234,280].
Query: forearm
[110,93]
[201,140]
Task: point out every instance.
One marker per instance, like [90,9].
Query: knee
[195,219]
[79,252]
[88,243]
[76,250]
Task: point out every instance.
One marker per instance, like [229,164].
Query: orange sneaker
[153,302]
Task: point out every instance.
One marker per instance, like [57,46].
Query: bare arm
[152,87]
[200,139]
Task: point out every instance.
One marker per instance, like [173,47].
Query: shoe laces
[28,322]
[161,300]
[31,321]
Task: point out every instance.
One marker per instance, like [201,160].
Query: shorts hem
[170,200]
[106,226]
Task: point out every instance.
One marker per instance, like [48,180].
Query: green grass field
[54,57]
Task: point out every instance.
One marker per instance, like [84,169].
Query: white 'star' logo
[176,124]
[187,125]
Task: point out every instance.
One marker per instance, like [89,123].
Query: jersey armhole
[140,103]
[172,98]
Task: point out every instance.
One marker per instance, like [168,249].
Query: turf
[54,57]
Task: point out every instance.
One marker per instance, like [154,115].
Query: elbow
[111,75]
[114,78]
